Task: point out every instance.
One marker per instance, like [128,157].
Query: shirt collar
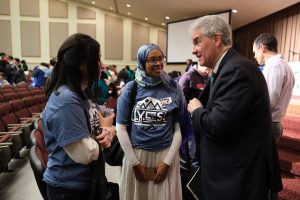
[273,58]
[218,62]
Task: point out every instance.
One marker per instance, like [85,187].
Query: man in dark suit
[239,159]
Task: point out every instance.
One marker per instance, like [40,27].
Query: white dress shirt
[280,80]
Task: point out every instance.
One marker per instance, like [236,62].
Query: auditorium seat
[22,113]
[38,158]
[23,94]
[10,96]
[15,139]
[41,100]
[10,120]
[2,98]
[21,89]
[32,106]
[5,151]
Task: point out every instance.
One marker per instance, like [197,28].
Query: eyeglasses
[153,60]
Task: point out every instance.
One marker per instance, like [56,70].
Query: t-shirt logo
[150,111]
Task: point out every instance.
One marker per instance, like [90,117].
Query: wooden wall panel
[113,38]
[30,39]
[5,38]
[89,29]
[83,13]
[58,9]
[30,8]
[140,35]
[162,41]
[4,7]
[58,33]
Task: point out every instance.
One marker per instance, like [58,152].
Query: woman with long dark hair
[72,124]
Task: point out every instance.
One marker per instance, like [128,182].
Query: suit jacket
[239,159]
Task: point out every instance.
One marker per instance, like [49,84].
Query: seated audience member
[3,81]
[49,70]
[38,75]
[18,76]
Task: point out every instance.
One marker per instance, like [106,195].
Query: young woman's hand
[140,172]
[161,172]
[104,139]
[106,121]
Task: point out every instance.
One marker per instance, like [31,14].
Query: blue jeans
[58,193]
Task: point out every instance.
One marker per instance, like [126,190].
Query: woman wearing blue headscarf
[151,167]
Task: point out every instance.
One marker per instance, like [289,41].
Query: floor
[20,184]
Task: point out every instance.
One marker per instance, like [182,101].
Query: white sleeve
[125,143]
[174,148]
[83,151]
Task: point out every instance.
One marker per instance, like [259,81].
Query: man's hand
[193,105]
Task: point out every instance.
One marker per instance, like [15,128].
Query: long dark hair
[78,49]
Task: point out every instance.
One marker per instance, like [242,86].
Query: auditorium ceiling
[156,10]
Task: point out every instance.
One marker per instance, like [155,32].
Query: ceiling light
[163,24]
[129,13]
[111,8]
[146,18]
[167,17]
[93,2]
[234,10]
[128,5]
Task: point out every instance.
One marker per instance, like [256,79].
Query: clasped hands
[108,131]
[156,174]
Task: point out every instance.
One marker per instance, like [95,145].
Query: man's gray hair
[211,24]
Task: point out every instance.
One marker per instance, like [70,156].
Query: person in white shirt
[279,77]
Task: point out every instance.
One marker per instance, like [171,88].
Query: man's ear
[263,48]
[218,39]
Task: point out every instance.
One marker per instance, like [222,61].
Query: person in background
[189,64]
[38,75]
[113,72]
[102,88]
[24,65]
[72,124]
[130,73]
[279,77]
[239,158]
[112,96]
[150,168]
[3,81]
[192,84]
[18,75]
[50,69]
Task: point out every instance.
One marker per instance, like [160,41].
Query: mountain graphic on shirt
[150,111]
[151,105]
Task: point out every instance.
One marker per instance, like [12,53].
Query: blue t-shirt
[153,116]
[64,122]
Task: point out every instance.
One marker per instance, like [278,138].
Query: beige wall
[53,20]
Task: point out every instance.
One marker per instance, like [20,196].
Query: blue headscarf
[141,77]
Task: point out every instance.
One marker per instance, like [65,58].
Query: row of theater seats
[17,118]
